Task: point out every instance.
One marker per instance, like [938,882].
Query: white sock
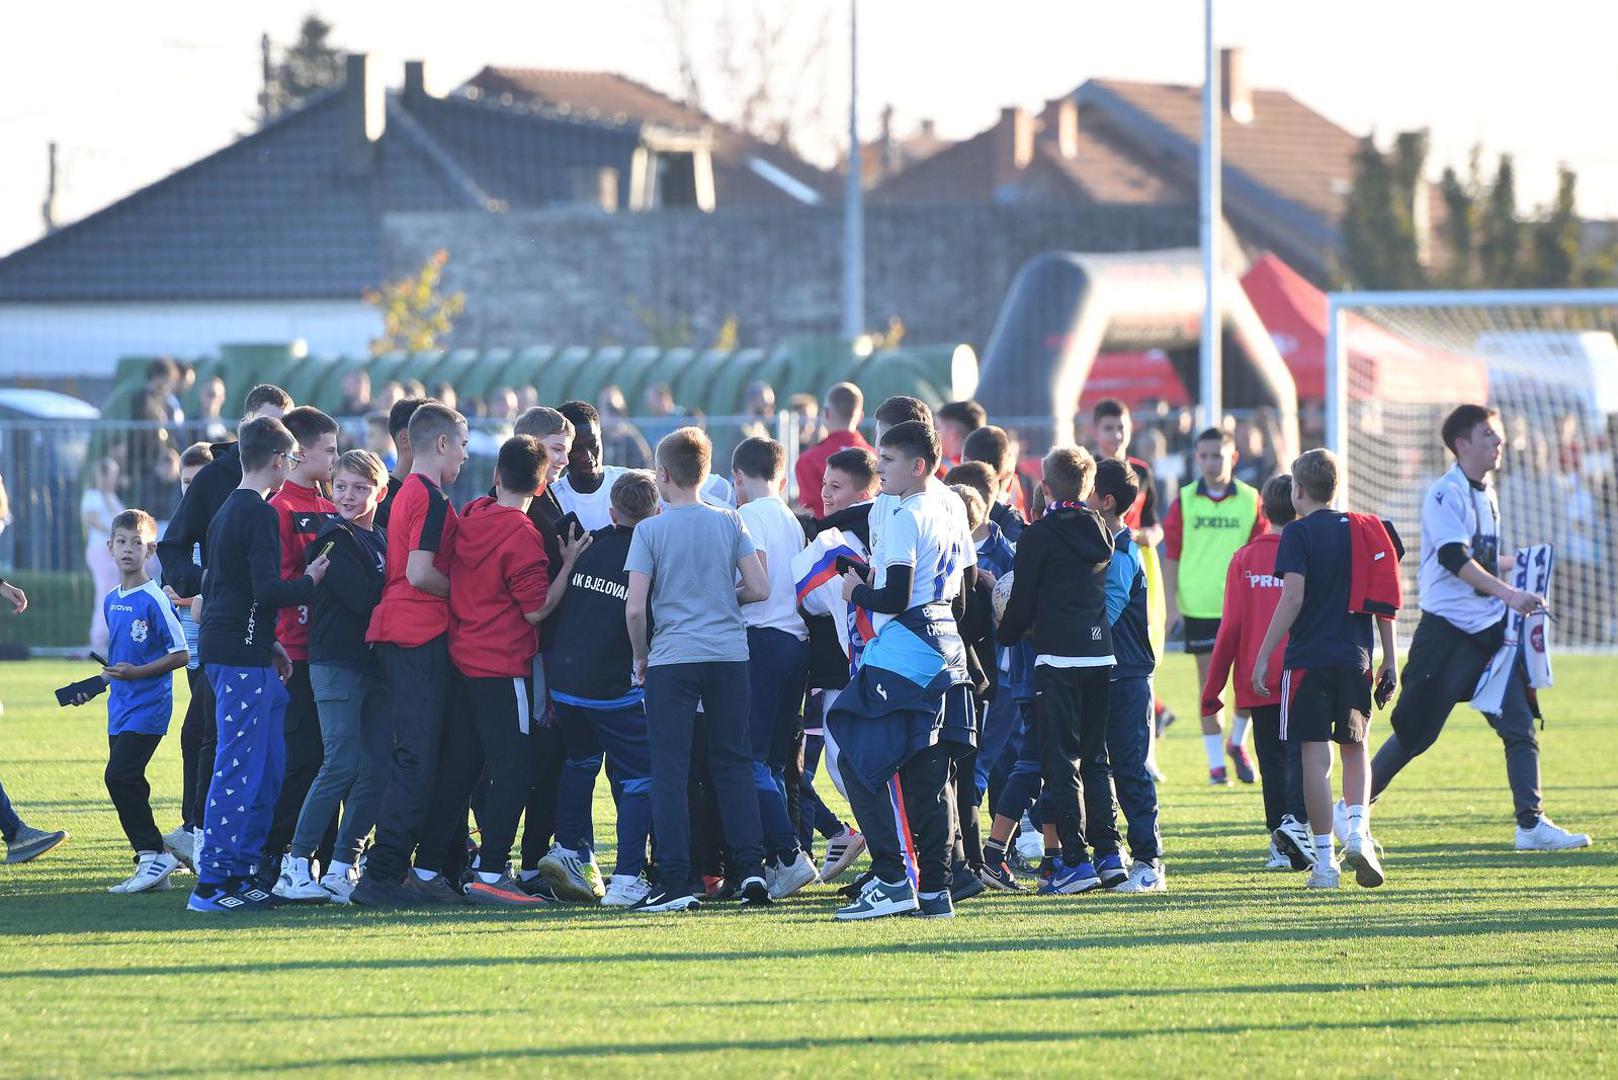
[1323,850]
[527,875]
[488,879]
[1238,729]
[1359,821]
[423,875]
[1215,746]
[338,869]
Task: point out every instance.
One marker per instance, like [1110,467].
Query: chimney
[928,129]
[1236,95]
[1012,143]
[415,83]
[1059,123]
[891,159]
[363,116]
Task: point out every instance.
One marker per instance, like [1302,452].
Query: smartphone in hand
[1384,689]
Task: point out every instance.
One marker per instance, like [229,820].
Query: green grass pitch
[1471,959]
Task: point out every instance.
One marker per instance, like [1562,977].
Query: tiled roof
[275,215]
[609,96]
[1100,171]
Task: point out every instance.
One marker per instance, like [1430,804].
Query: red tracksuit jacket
[496,573]
[1252,593]
[301,512]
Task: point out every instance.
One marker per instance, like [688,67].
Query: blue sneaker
[1067,880]
[215,900]
[1111,870]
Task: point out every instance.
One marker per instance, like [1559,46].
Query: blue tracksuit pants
[250,713]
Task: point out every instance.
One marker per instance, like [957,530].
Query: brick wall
[585,277]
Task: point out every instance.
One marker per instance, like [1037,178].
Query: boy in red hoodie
[301,510]
[499,578]
[1252,591]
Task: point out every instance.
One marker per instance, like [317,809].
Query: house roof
[277,215]
[1100,171]
[747,170]
[1286,171]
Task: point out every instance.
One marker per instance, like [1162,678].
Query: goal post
[1398,362]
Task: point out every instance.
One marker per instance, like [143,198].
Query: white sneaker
[1030,843]
[1154,772]
[196,847]
[1360,853]
[182,844]
[298,882]
[1323,877]
[841,851]
[339,886]
[1277,860]
[152,870]
[790,877]
[1549,836]
[1145,877]
[1341,830]
[625,891]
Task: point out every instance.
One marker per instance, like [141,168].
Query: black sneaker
[856,888]
[755,893]
[937,907]
[964,884]
[373,892]
[436,891]
[537,886]
[999,877]
[661,899]
[253,898]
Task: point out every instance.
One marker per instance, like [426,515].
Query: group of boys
[712,649]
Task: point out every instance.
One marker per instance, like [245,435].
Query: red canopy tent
[1382,366]
[1134,378]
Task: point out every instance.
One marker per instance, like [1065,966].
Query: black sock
[994,852]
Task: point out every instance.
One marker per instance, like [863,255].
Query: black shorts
[1326,704]
[1199,635]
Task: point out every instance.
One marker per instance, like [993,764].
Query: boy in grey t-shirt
[683,564]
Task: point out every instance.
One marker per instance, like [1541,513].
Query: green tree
[415,312]
[1555,238]
[1379,229]
[1459,229]
[306,67]
[1500,231]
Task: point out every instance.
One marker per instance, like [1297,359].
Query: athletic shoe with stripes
[215,900]
[999,877]
[152,870]
[841,851]
[1292,839]
[502,892]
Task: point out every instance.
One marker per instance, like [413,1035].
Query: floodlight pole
[854,199]
[1210,367]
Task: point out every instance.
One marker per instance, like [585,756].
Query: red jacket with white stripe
[1252,593]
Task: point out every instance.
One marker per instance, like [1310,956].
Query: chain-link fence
[66,479]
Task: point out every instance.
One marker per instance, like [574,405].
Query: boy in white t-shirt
[887,721]
[585,490]
[778,656]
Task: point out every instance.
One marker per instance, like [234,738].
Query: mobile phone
[98,658]
[91,687]
[327,549]
[1384,689]
[845,565]
[567,524]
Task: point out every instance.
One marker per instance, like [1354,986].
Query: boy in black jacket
[1059,592]
[241,593]
[355,719]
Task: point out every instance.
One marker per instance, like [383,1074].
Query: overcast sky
[132,92]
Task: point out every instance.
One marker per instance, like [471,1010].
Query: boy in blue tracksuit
[241,593]
[1129,705]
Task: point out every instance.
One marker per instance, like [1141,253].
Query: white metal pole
[854,199]
[1337,393]
[1211,369]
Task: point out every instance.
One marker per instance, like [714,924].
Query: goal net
[1548,360]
